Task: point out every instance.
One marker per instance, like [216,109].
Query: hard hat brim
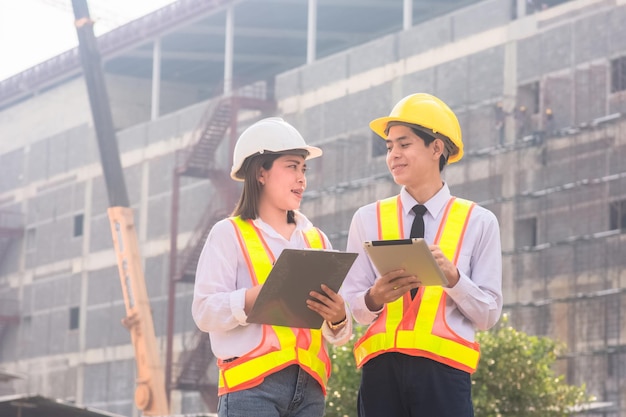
[312,152]
[380,125]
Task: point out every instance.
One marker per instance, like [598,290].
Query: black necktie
[417,229]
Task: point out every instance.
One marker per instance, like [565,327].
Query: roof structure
[269,37]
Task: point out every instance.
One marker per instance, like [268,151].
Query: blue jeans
[290,392]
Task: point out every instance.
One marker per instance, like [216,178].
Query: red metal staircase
[192,372]
[198,160]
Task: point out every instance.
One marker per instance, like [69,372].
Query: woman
[265,370]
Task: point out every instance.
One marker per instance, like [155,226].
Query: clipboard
[411,254]
[296,272]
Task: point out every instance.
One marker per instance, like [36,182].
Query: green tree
[515,376]
[343,386]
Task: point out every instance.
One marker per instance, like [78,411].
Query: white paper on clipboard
[412,255]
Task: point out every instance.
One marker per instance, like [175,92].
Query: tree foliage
[515,377]
[343,386]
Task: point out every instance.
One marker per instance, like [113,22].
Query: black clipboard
[296,272]
[411,254]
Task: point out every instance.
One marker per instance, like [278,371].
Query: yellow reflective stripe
[248,370]
[440,346]
[251,368]
[421,337]
[390,219]
[310,357]
[261,262]
[377,342]
[448,242]
[428,309]
[389,224]
[454,227]
[314,238]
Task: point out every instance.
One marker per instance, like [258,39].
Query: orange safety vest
[280,346]
[418,327]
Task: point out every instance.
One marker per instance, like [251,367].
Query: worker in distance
[265,370]
[419,350]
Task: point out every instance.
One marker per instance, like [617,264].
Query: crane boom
[150,393]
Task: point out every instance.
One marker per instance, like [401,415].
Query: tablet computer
[297,272]
[412,255]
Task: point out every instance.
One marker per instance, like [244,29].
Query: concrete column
[229,51]
[311,36]
[510,90]
[142,233]
[407,14]
[156,80]
[521,8]
[84,291]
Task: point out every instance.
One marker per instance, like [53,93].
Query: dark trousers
[398,385]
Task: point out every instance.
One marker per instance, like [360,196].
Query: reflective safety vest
[418,327]
[280,346]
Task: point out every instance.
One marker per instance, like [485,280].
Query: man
[419,350]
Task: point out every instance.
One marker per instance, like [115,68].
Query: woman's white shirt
[222,278]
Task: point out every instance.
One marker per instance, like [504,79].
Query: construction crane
[105,16]
[150,393]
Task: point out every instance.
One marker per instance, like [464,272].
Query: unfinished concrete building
[539,88]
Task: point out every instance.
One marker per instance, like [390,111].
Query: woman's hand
[251,295]
[327,304]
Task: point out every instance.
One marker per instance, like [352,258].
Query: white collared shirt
[475,302]
[222,278]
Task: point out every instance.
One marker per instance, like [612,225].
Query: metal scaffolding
[199,161]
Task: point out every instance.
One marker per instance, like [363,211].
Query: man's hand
[448,268]
[389,288]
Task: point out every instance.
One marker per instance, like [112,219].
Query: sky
[32,31]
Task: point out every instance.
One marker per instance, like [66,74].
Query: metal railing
[67,64]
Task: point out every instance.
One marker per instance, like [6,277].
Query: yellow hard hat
[429,113]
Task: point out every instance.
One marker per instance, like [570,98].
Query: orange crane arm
[150,390]
[150,394]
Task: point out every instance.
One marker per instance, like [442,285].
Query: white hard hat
[268,135]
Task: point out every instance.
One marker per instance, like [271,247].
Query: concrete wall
[51,271]
[50,113]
